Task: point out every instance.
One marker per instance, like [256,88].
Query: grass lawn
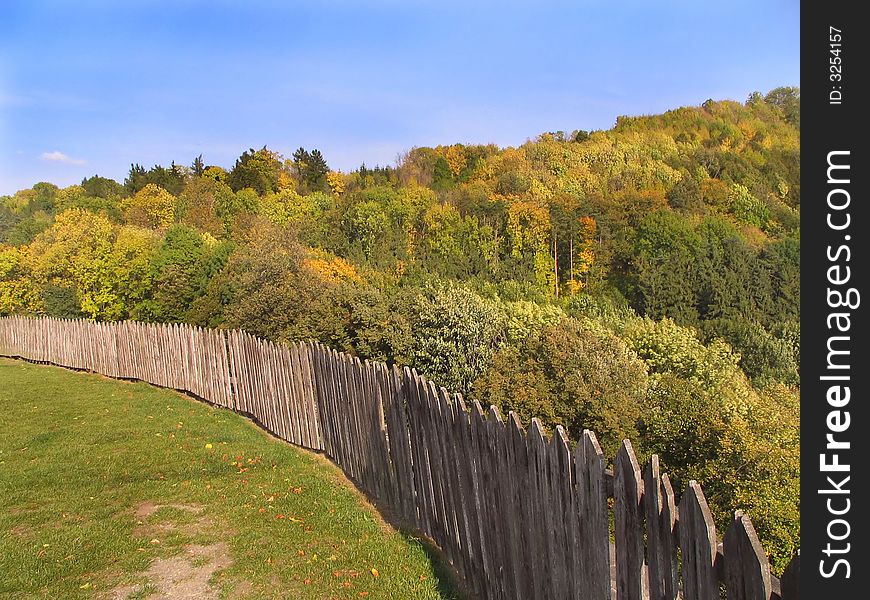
[123,490]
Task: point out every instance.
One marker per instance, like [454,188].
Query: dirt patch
[187,576]
[20,530]
[146,509]
[159,528]
[184,576]
[242,590]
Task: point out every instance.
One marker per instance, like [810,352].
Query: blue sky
[91,86]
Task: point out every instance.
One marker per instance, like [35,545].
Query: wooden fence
[519,514]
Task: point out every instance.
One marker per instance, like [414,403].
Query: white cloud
[58,156]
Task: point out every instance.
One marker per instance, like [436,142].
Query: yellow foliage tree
[286,182]
[456,160]
[336,182]
[107,266]
[152,206]
[18,292]
[332,269]
[528,224]
[216,173]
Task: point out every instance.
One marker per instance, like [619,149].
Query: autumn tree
[152,206]
[255,169]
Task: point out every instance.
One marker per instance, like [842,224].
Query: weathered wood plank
[561,475]
[338,416]
[538,516]
[628,524]
[322,398]
[478,466]
[546,474]
[422,482]
[442,420]
[294,408]
[357,404]
[790,582]
[285,391]
[669,539]
[398,431]
[433,454]
[698,545]
[747,572]
[339,399]
[661,554]
[311,398]
[516,523]
[592,562]
[459,434]
[495,477]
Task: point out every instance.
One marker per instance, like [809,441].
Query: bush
[456,334]
[764,358]
[574,374]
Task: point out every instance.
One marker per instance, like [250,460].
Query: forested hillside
[641,282]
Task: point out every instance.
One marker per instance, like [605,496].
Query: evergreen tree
[198,167]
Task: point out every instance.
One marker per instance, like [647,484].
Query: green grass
[82,458]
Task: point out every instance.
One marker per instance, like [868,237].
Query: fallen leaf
[375,572]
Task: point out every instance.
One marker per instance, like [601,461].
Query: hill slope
[118,488]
